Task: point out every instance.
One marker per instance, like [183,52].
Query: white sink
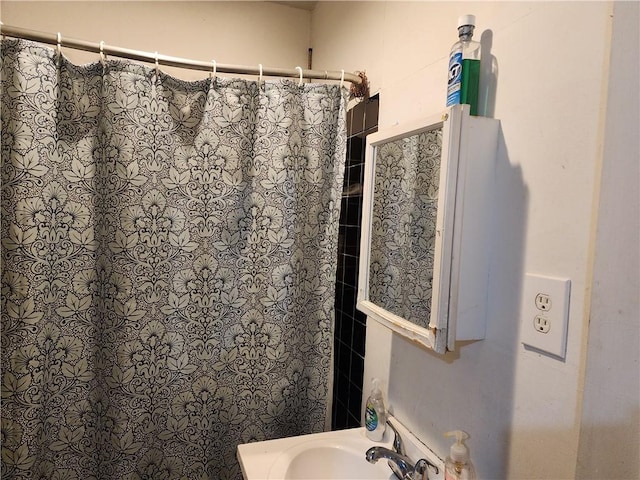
[331,457]
[338,455]
[321,456]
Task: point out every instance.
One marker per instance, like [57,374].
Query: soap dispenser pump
[457,465]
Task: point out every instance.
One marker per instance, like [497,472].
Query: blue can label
[370,417]
[455,79]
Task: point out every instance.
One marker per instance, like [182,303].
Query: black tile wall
[350,329]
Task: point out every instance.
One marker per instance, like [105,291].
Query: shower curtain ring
[300,70]
[342,78]
[157,64]
[260,77]
[103,58]
[215,68]
[59,48]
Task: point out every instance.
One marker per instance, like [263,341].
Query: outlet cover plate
[553,337]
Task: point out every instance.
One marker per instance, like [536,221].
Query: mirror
[403,225]
[409,196]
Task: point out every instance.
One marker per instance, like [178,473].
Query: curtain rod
[57,39]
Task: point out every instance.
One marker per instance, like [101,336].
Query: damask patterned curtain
[168,263]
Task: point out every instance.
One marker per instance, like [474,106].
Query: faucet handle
[398,446]
[421,470]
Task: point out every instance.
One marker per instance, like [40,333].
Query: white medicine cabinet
[426,219]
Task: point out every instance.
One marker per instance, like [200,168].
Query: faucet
[402,466]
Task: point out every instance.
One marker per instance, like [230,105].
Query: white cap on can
[466,20]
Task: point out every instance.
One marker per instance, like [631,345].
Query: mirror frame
[435,336]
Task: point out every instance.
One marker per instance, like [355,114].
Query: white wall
[610,430]
[245,33]
[550,59]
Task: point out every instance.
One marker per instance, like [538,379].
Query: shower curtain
[168,264]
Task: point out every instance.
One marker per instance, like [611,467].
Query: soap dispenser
[375,415]
[457,465]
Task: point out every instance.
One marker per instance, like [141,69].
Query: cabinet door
[408,219]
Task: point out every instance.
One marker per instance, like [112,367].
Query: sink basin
[321,456]
[338,455]
[329,458]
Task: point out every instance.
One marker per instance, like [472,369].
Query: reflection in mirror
[403,225]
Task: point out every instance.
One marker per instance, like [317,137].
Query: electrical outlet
[541,324]
[543,302]
[544,313]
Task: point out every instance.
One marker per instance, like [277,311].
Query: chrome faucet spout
[399,462]
[403,466]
